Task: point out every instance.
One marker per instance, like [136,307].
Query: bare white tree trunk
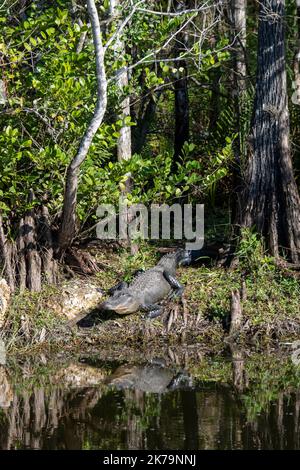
[238,18]
[68,225]
[3,95]
[238,24]
[124,142]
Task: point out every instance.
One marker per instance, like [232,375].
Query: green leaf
[50,31]
[33,41]
[27,143]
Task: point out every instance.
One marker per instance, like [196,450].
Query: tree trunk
[215,102]
[28,233]
[238,20]
[238,25]
[46,242]
[124,141]
[144,122]
[296,64]
[235,313]
[6,256]
[271,200]
[181,112]
[68,224]
[21,258]
[181,131]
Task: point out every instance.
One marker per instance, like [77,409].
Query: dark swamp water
[218,403]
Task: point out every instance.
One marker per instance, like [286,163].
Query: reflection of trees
[34,417]
[99,416]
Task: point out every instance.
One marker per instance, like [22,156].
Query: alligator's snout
[123,305]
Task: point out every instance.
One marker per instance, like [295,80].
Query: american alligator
[149,378]
[147,289]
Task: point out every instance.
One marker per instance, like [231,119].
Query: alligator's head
[172,260]
[183,257]
[123,304]
[191,257]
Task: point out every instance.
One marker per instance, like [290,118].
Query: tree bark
[296,64]
[32,257]
[46,242]
[181,105]
[68,224]
[235,313]
[238,24]
[144,122]
[238,20]
[124,141]
[271,201]
[6,256]
[21,258]
[181,134]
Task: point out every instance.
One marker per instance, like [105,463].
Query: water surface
[227,405]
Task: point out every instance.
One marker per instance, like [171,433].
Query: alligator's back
[147,288]
[151,286]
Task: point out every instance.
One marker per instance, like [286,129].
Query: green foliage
[251,253]
[51,99]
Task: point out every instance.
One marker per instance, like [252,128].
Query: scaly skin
[147,288]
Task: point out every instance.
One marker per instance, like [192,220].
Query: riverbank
[270,310]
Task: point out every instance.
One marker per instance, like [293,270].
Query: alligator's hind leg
[152,310]
[176,286]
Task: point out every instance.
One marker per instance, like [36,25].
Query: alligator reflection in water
[141,407]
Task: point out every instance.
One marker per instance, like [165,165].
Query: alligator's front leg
[176,286]
[152,310]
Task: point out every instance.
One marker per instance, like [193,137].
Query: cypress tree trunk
[271,201]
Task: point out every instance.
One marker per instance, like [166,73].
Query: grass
[270,310]
[271,307]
